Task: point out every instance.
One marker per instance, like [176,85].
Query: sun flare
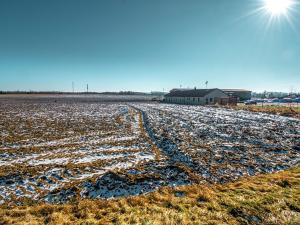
[278,7]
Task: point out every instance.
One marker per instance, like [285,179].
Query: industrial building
[198,97]
[240,94]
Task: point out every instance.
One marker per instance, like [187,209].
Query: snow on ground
[57,151]
[222,144]
[48,146]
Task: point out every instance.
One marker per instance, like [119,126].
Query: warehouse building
[198,97]
[240,94]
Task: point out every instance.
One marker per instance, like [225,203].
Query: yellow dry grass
[264,199]
[272,109]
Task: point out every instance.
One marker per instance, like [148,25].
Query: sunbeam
[278,7]
[274,12]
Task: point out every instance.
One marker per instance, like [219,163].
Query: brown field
[265,199]
[99,161]
[283,110]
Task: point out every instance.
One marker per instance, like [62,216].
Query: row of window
[194,99]
[182,100]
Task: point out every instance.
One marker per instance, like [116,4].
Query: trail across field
[222,144]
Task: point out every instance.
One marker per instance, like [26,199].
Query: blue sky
[145,45]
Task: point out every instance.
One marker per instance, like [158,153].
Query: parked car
[287,100]
[251,102]
[262,100]
[275,100]
[296,100]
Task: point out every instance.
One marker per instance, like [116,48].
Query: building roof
[235,90]
[190,93]
[181,89]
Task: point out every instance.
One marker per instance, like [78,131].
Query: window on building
[206,101]
[211,99]
[193,99]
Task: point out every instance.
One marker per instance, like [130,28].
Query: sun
[278,7]
[275,12]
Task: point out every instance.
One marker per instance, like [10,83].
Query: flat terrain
[60,150]
[263,199]
[290,110]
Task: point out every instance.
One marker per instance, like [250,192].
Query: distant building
[240,94]
[198,97]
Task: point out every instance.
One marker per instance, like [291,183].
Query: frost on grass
[222,144]
[54,149]
[56,152]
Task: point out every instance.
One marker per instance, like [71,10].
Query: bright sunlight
[278,7]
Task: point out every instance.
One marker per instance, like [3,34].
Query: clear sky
[145,45]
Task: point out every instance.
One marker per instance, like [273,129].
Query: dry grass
[264,199]
[33,149]
[278,110]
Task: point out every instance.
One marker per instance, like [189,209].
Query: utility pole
[73,87]
[87,88]
[206,83]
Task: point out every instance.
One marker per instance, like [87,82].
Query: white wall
[215,94]
[198,100]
